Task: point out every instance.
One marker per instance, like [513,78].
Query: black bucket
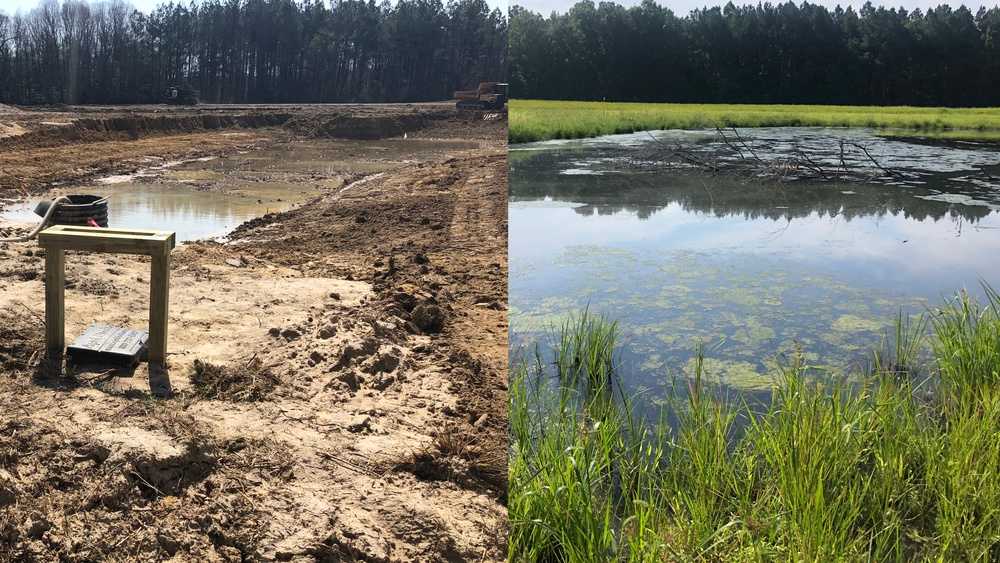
[80,211]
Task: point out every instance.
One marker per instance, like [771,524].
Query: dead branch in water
[677,151]
[810,164]
[721,135]
[872,159]
[729,151]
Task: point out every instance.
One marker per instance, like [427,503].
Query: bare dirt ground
[339,396]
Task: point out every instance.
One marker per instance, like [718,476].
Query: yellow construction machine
[489,96]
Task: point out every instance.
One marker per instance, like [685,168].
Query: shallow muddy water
[348,156]
[211,196]
[749,267]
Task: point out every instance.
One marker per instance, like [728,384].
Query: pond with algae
[211,196]
[748,266]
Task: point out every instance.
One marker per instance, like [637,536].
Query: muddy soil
[336,378]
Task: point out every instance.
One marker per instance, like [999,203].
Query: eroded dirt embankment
[42,147]
[336,387]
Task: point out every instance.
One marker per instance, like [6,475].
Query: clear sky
[11,6]
[684,7]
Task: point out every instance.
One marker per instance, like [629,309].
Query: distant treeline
[250,51]
[766,53]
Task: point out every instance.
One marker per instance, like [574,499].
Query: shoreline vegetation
[542,120]
[899,466]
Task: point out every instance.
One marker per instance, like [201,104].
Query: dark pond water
[739,261]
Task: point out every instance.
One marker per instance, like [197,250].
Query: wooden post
[55,300]
[159,291]
[156,244]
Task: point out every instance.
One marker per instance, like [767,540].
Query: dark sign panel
[109,344]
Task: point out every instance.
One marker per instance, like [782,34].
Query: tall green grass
[577,456]
[832,469]
[540,120]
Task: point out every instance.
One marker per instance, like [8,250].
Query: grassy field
[538,120]
[885,470]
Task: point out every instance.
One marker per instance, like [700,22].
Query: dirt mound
[358,127]
[54,129]
[10,110]
[11,129]
[164,123]
[467,125]
[134,126]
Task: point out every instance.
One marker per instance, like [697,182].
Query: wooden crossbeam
[116,241]
[157,244]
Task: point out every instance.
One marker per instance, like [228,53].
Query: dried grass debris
[244,381]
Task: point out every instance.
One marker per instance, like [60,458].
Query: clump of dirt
[22,340]
[456,454]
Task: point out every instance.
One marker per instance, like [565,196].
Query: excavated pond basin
[209,197]
[747,265]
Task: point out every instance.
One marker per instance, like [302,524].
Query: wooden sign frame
[156,244]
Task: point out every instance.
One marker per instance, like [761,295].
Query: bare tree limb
[872,159]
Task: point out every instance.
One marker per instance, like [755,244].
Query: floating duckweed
[744,278]
[675,291]
[855,324]
[754,332]
[734,373]
[857,308]
[667,301]
[652,363]
[759,332]
[670,339]
[684,322]
[534,323]
[557,303]
[742,296]
[836,339]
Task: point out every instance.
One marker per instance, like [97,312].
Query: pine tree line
[250,51]
[768,53]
